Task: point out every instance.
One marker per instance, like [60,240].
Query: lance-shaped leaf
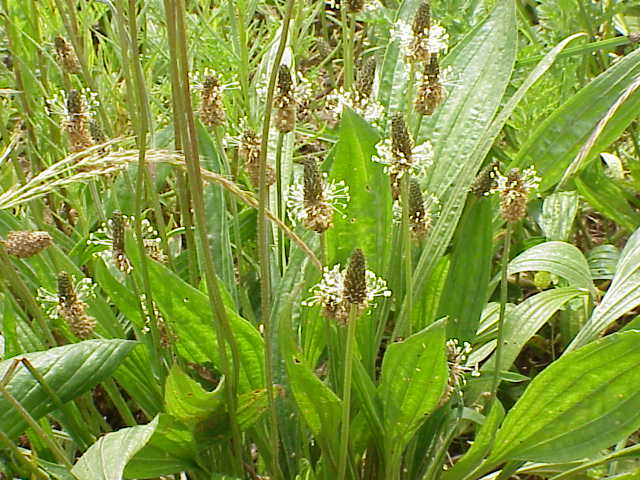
[559,258]
[622,296]
[414,375]
[369,191]
[583,402]
[69,371]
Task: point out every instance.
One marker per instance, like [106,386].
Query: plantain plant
[319,240]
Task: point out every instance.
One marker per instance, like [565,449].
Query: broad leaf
[622,296]
[369,191]
[69,371]
[107,458]
[583,402]
[558,213]
[560,258]
[557,141]
[413,379]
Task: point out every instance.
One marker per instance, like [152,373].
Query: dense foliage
[319,240]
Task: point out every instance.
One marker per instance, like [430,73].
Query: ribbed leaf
[414,375]
[107,458]
[558,213]
[69,371]
[369,191]
[559,258]
[466,287]
[462,130]
[557,141]
[603,260]
[583,402]
[622,296]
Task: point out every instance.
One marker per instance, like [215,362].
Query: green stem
[263,240]
[279,206]
[44,436]
[175,13]
[408,257]
[503,305]
[30,466]
[347,46]
[346,391]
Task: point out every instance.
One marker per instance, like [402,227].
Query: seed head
[430,92]
[355,283]
[24,244]
[118,255]
[66,56]
[76,122]
[284,102]
[486,180]
[422,19]
[366,76]
[72,309]
[419,218]
[249,150]
[212,111]
[401,140]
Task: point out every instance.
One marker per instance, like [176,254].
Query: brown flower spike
[284,102]
[72,309]
[430,92]
[66,56]
[76,124]
[212,112]
[319,214]
[249,150]
[24,244]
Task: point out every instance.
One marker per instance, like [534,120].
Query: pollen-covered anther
[249,151]
[24,244]
[212,112]
[456,362]
[66,56]
[284,102]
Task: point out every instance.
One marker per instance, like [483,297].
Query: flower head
[514,191]
[284,101]
[419,46]
[313,201]
[66,56]
[212,111]
[457,363]
[335,294]
[24,244]
[366,107]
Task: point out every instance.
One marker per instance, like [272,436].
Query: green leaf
[558,258]
[369,191]
[170,449]
[414,375]
[558,213]
[468,277]
[480,447]
[555,143]
[463,128]
[583,402]
[603,260]
[318,405]
[521,323]
[622,296]
[69,371]
[187,310]
[606,196]
[187,401]
[107,458]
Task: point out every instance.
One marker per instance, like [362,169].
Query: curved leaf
[107,458]
[557,141]
[559,258]
[462,130]
[69,371]
[558,213]
[583,402]
[623,294]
